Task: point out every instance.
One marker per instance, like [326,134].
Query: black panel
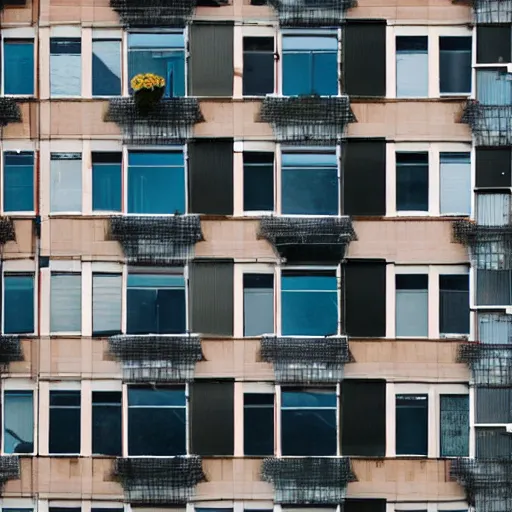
[212,418]
[364,177]
[493,167]
[106,423]
[365,298]
[411,425]
[259,65]
[258,424]
[211,177]
[364,63]
[364,505]
[211,59]
[363,399]
[211,297]
[64,435]
[493,44]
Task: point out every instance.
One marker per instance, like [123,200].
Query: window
[309,183]
[18,303]
[258,182]
[411,66]
[454,427]
[412,425]
[411,305]
[106,422]
[309,303]
[258,424]
[258,66]
[106,181]
[310,65]
[18,422]
[454,304]
[455,65]
[495,328]
[18,181]
[18,69]
[65,66]
[156,182]
[455,183]
[412,182]
[64,422]
[493,88]
[156,304]
[106,67]
[308,422]
[66,182]
[493,209]
[493,287]
[164,435]
[162,54]
[106,304]
[66,303]
[258,304]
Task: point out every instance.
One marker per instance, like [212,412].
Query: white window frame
[147,149]
[298,32]
[433,33]
[107,35]
[67,147]
[434,150]
[125,79]
[431,506]
[16,384]
[434,392]
[19,503]
[125,434]
[19,33]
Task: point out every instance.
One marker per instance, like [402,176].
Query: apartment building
[287,286]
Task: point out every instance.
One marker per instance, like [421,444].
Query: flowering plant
[147,81]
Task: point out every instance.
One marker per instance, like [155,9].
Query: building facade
[287,286]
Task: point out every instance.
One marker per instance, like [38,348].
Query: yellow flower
[146,81]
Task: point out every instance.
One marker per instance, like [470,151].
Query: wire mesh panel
[169,121]
[9,469]
[491,365]
[7,233]
[291,236]
[10,350]
[319,480]
[157,358]
[307,13]
[489,11]
[307,119]
[159,480]
[491,125]
[10,111]
[154,13]
[154,240]
[306,360]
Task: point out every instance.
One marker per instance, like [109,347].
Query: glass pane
[106,182]
[325,74]
[65,67]
[454,425]
[258,424]
[493,287]
[106,303]
[18,67]
[18,304]
[411,425]
[19,181]
[156,184]
[18,422]
[258,304]
[455,65]
[106,423]
[66,303]
[454,304]
[106,68]
[258,72]
[66,183]
[258,182]
[455,183]
[411,66]
[156,397]
[493,88]
[412,182]
[64,436]
[309,305]
[297,74]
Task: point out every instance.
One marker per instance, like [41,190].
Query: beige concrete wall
[20,15]
[28,128]
[23,246]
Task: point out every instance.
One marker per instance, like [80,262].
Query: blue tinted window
[310,66]
[309,183]
[412,182]
[106,182]
[147,397]
[411,66]
[308,422]
[162,54]
[156,182]
[18,304]
[106,68]
[18,181]
[65,67]
[18,422]
[309,305]
[18,67]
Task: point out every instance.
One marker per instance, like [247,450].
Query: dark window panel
[64,432]
[258,181]
[411,425]
[18,303]
[454,412]
[493,443]
[412,182]
[493,405]
[18,66]
[493,287]
[455,65]
[106,423]
[493,167]
[454,304]
[493,44]
[364,505]
[258,424]
[18,181]
[259,64]
[18,421]
[106,67]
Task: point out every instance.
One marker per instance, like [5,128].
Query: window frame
[434,392]
[9,272]
[26,504]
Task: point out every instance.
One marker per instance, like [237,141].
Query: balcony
[10,112]
[307,13]
[10,351]
[491,125]
[153,13]
[490,365]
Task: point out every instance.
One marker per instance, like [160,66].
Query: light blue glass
[106,187]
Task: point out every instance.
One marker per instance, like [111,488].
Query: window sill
[20,96]
[19,214]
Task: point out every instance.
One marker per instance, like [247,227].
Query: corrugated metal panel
[363,399]
[211,177]
[493,443]
[493,44]
[211,297]
[364,177]
[212,418]
[211,59]
[364,63]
